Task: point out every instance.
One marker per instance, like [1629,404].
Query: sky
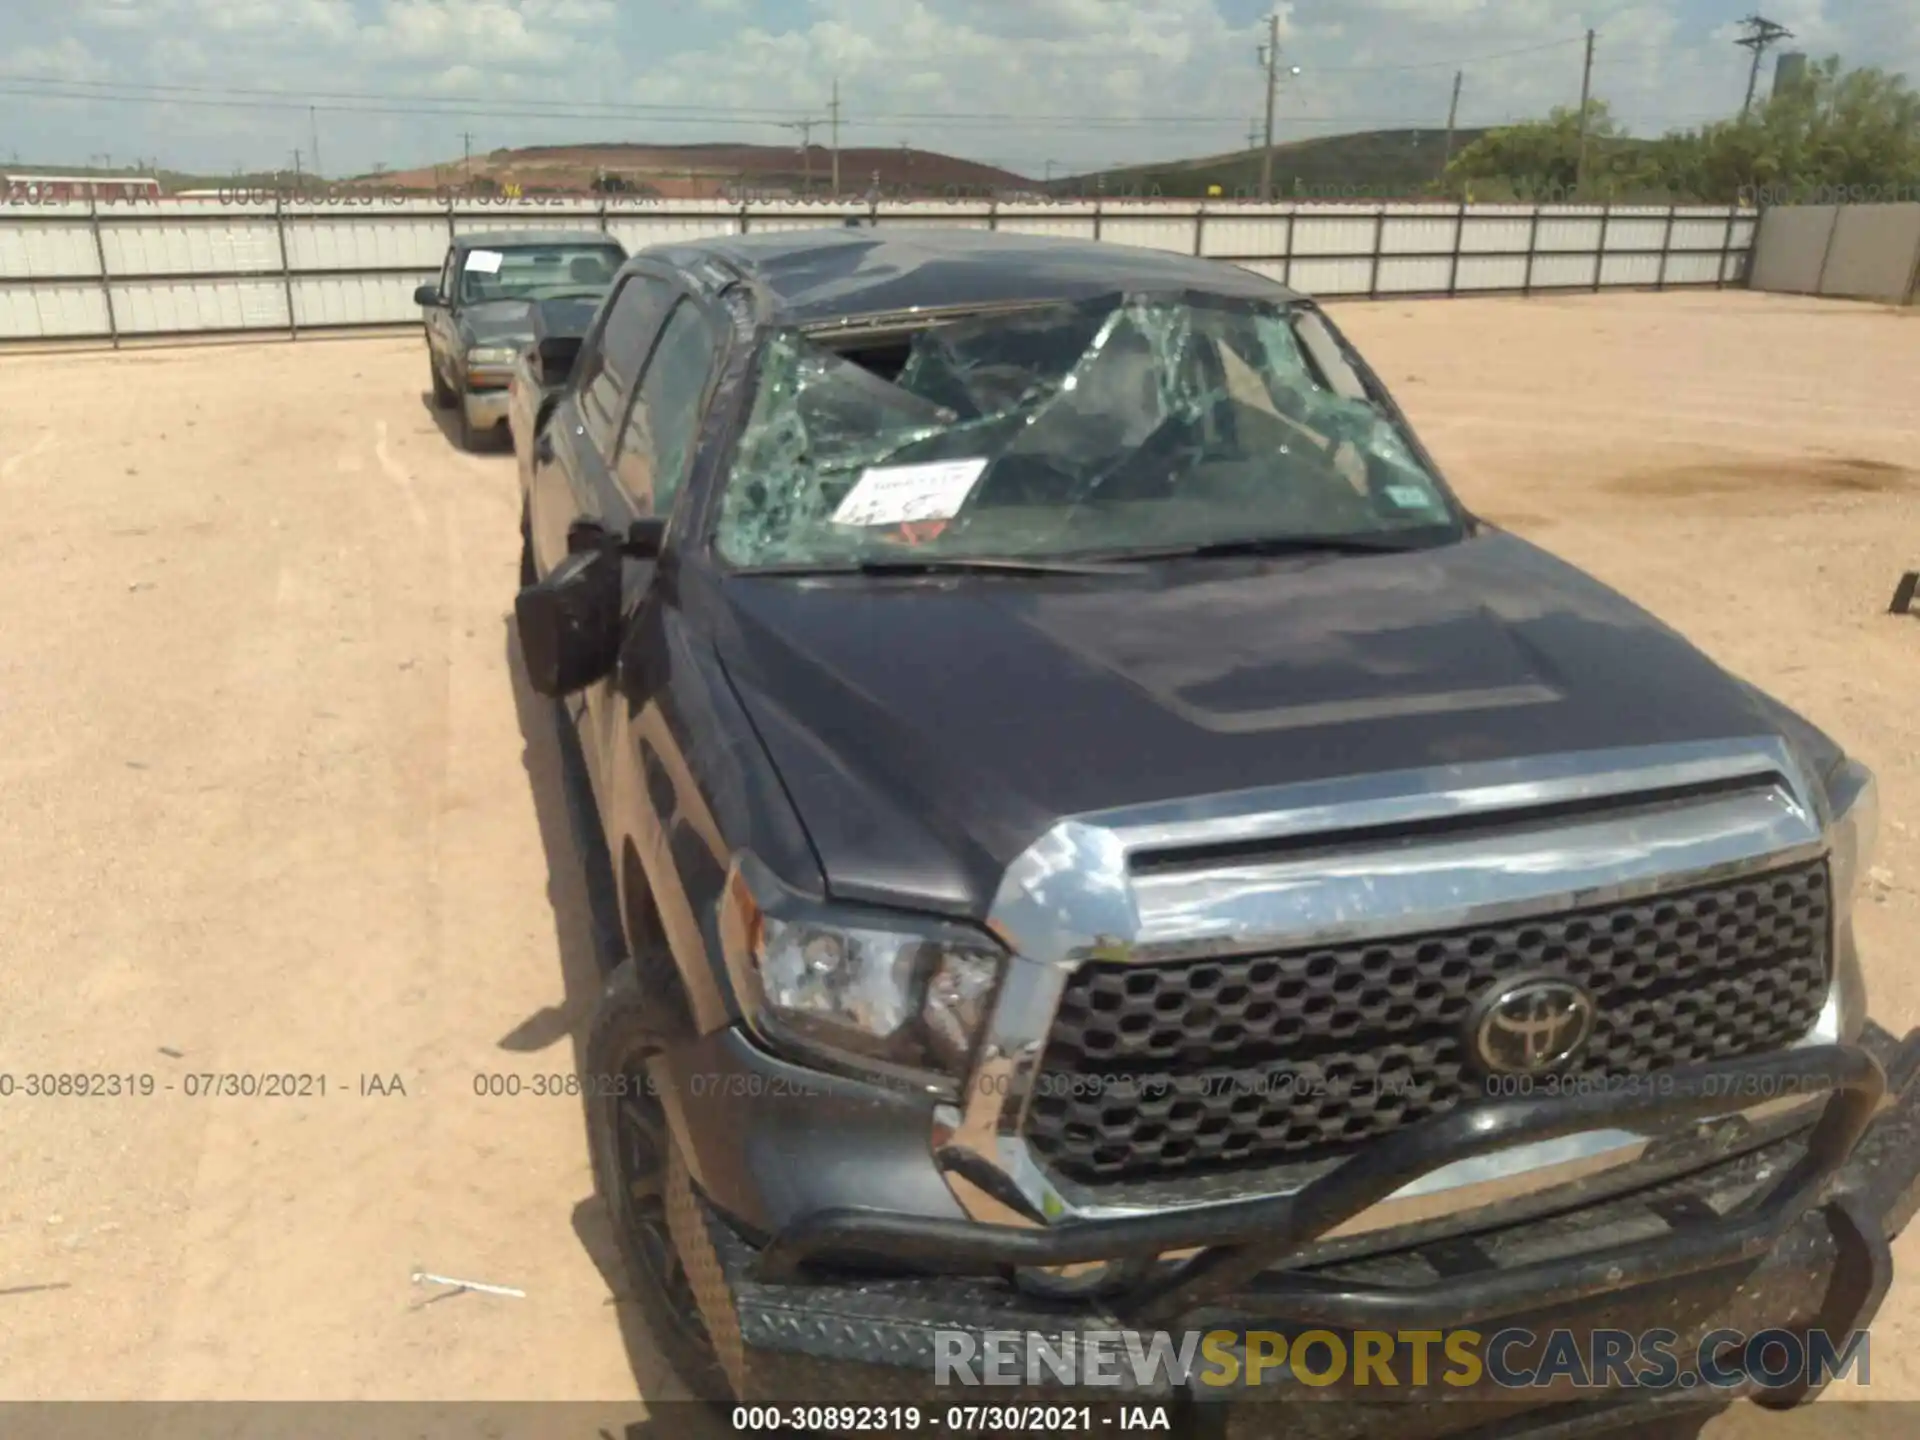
[1036,86]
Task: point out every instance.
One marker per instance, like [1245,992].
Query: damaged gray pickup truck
[1108,843]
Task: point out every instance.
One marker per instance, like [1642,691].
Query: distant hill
[1371,165]
[1367,165]
[708,170]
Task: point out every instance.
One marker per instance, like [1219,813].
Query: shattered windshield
[1130,423]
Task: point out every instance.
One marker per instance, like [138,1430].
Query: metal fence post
[1726,246]
[1379,241]
[1600,255]
[1459,240]
[1096,218]
[603,216]
[993,212]
[451,235]
[100,253]
[1286,255]
[1666,249]
[1200,231]
[1826,251]
[286,266]
[1533,241]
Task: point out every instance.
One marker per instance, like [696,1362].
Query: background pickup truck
[541,372]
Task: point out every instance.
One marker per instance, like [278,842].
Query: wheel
[637,1166]
[528,575]
[443,396]
[469,437]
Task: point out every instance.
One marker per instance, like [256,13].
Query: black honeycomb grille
[1191,1068]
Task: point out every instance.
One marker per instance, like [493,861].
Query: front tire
[637,1167]
[443,394]
[469,437]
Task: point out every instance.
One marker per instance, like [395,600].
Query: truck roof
[527,239]
[825,274]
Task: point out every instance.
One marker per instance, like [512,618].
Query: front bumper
[487,407]
[1793,1234]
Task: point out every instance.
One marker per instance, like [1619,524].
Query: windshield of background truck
[1132,423]
[536,272]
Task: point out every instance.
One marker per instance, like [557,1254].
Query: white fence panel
[1629,270]
[1414,274]
[1166,232]
[176,307]
[180,266]
[1430,234]
[1344,275]
[1065,221]
[1491,272]
[52,312]
[346,300]
[185,247]
[1264,232]
[1693,269]
[384,242]
[60,249]
[1496,230]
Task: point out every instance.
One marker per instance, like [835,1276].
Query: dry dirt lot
[273,803]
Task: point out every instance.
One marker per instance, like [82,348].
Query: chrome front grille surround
[1158,1070]
[1174,905]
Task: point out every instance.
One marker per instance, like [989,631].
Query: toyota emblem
[1528,1026]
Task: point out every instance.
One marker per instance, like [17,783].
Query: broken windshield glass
[1121,423]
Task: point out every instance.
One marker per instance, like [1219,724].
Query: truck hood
[929,730]
[497,322]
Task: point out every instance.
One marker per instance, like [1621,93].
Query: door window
[660,429]
[632,321]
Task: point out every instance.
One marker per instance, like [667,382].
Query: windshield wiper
[1263,545]
[943,565]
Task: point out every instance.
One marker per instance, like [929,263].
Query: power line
[731,116]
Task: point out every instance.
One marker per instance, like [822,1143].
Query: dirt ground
[272,803]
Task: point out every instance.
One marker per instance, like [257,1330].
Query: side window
[659,435]
[632,322]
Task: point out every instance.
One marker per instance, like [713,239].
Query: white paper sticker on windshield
[487,262]
[1409,497]
[899,494]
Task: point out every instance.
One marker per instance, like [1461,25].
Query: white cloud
[66,59]
[1081,82]
[485,33]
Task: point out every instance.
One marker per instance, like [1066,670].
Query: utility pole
[805,127]
[836,138]
[1253,135]
[466,155]
[1453,114]
[1271,57]
[1586,88]
[313,123]
[296,171]
[1761,33]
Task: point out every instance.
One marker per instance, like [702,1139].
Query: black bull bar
[1238,1239]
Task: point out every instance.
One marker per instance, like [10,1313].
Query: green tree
[1539,160]
[1855,133]
[1829,130]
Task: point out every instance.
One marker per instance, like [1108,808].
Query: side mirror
[428,295]
[644,538]
[569,623]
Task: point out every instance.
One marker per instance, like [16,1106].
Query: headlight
[1855,799]
[482,356]
[1853,807]
[890,995]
